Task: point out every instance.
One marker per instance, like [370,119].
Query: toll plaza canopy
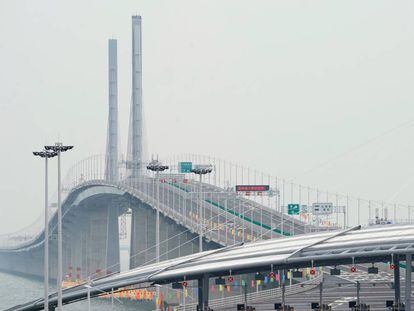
[354,245]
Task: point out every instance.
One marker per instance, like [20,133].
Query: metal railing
[222,180]
[258,296]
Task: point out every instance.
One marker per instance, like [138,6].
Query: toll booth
[279,307]
[389,304]
[316,307]
[358,307]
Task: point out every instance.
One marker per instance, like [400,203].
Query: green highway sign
[293,209]
[185,167]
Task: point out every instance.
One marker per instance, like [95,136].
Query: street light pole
[46,155]
[157,167]
[59,148]
[201,170]
[200,213]
[89,293]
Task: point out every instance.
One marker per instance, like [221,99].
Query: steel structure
[111,172]
[391,243]
[136,117]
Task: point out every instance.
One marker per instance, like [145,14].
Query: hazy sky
[283,86]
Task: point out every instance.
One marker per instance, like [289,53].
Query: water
[17,289]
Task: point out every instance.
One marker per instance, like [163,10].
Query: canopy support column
[408,270]
[203,288]
[397,289]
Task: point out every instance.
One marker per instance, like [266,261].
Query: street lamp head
[58,148]
[157,166]
[45,154]
[202,169]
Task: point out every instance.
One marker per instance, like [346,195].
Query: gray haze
[283,86]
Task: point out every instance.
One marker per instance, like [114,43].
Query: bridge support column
[203,291]
[132,245]
[142,236]
[408,270]
[397,288]
[112,241]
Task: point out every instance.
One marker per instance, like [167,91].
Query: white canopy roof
[362,245]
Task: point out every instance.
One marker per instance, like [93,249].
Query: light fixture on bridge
[58,148]
[201,170]
[156,166]
[46,154]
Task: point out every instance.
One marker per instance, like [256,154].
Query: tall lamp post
[46,155]
[201,170]
[59,148]
[157,167]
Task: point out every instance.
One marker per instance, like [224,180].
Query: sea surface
[17,289]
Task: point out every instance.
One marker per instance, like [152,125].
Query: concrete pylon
[136,118]
[111,169]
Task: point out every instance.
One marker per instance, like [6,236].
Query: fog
[320,92]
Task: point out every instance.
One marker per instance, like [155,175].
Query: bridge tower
[111,171]
[136,118]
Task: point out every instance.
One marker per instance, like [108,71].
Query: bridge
[102,188]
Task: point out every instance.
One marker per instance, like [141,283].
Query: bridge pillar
[91,239]
[203,291]
[408,270]
[142,235]
[112,241]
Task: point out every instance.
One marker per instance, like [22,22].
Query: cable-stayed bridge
[92,205]
[101,188]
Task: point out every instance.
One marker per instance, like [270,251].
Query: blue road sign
[185,167]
